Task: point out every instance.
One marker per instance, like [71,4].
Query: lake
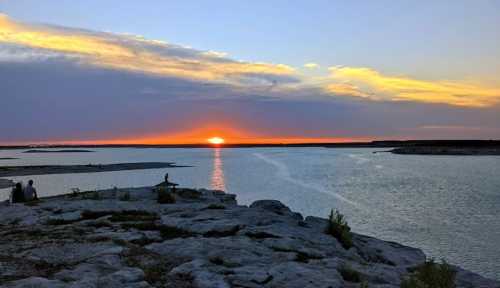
[449,206]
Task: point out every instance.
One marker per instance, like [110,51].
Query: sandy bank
[58,151]
[9,171]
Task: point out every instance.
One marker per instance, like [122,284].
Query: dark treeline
[373,144]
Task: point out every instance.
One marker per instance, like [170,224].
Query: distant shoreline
[372,144]
[451,151]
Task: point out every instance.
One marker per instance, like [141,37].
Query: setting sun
[216,140]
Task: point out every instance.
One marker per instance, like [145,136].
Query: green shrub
[125,196]
[143,226]
[94,195]
[172,232]
[338,228]
[216,206]
[431,275]
[126,216]
[165,197]
[349,274]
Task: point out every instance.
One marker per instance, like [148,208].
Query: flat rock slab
[204,239]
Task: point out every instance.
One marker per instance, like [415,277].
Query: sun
[216,140]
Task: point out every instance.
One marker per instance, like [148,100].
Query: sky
[248,71]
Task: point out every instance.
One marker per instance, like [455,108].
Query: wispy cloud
[369,83]
[134,53]
[311,65]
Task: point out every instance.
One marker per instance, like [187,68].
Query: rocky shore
[201,238]
[445,150]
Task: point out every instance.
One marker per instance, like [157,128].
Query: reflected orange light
[218,181]
[216,140]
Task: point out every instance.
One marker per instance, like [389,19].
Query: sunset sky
[248,71]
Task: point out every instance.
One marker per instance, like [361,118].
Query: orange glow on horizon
[199,136]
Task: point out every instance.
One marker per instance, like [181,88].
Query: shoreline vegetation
[127,237]
[11,171]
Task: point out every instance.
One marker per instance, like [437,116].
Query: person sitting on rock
[30,192]
[168,183]
[17,194]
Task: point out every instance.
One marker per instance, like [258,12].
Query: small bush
[125,196]
[92,196]
[132,215]
[349,274]
[216,206]
[172,232]
[165,197]
[92,215]
[59,222]
[143,226]
[338,228]
[431,275]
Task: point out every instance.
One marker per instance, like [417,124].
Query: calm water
[447,205]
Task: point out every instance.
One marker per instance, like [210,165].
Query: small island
[446,150]
[9,171]
[58,151]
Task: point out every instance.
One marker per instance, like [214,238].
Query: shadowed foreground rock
[203,240]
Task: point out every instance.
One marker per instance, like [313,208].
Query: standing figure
[170,184]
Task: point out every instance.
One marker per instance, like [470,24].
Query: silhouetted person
[18,193]
[30,192]
[168,183]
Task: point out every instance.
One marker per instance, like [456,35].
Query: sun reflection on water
[218,182]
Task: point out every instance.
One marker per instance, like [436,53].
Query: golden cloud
[311,65]
[133,53]
[366,82]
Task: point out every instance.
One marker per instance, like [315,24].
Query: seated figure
[30,192]
[17,194]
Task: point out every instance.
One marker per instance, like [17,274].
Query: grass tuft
[125,196]
[338,228]
[165,197]
[349,274]
[431,275]
[171,232]
[215,206]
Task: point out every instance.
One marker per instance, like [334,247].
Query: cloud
[346,89]
[54,77]
[369,83]
[136,54]
[311,65]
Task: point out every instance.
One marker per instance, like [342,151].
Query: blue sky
[368,53]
